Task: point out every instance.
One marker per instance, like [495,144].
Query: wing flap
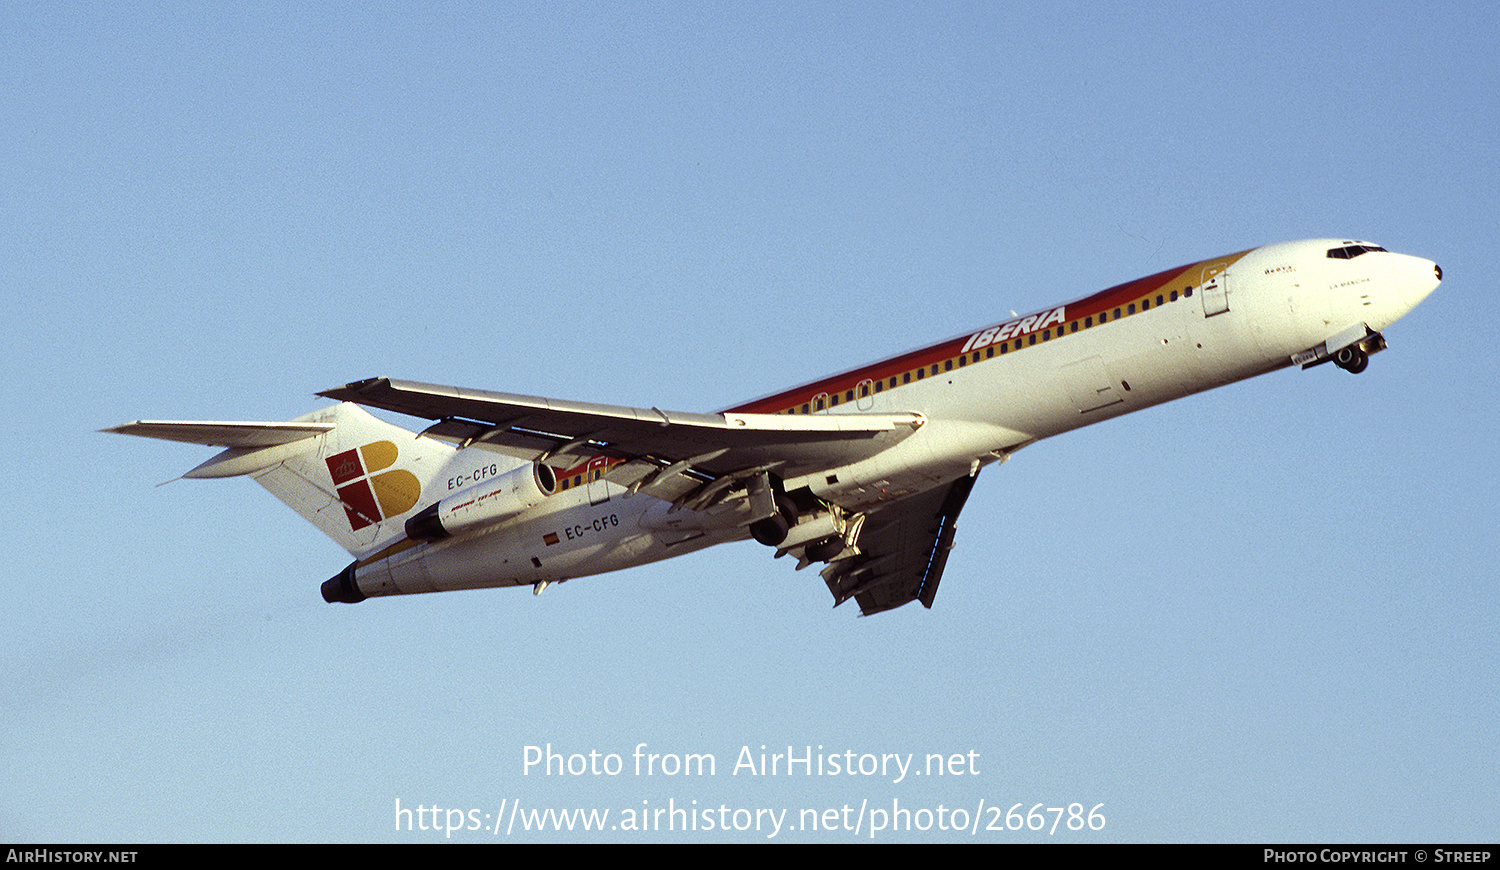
[903,551]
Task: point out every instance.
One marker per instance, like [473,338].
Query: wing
[692,459]
[903,550]
[687,458]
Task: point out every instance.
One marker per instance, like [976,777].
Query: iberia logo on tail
[368,492]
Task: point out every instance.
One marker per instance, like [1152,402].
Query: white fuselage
[983,395]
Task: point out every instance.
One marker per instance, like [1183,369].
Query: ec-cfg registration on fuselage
[862,473]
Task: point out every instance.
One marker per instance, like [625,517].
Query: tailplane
[354,476]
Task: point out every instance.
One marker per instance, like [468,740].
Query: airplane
[863,472]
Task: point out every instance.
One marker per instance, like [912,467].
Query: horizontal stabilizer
[223,434]
[252,446]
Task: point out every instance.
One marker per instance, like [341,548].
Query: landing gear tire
[1352,360]
[825,550]
[772,530]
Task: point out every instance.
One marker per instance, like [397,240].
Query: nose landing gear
[1354,346]
[1352,359]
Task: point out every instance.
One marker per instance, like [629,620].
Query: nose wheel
[1352,359]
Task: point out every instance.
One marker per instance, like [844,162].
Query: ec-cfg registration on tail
[863,472]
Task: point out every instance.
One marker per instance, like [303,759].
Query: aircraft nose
[1415,279]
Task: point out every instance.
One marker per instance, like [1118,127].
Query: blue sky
[1263,613]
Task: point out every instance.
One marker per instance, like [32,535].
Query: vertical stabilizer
[359,482]
[354,476]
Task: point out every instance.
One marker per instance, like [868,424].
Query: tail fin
[354,476]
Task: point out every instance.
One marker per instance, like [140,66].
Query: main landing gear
[808,528]
[772,530]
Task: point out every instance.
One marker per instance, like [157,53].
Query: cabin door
[594,474]
[1215,289]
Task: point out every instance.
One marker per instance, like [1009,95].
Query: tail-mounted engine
[506,496]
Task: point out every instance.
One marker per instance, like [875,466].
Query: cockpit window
[1349,252]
